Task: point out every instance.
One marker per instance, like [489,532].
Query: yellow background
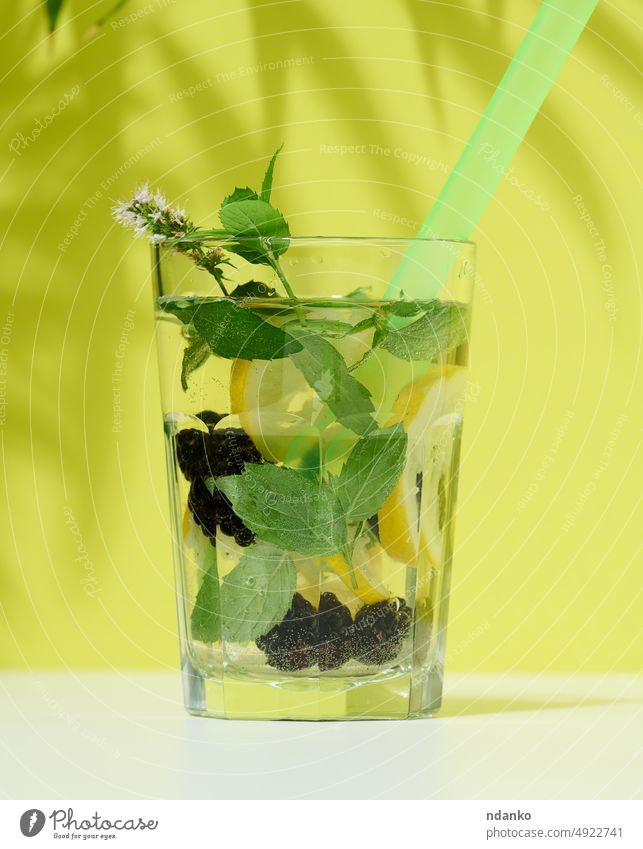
[548,562]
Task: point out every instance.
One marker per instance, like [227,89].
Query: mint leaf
[443,326]
[234,332]
[205,620]
[287,508]
[403,308]
[364,324]
[194,355]
[371,471]
[255,221]
[333,328]
[257,593]
[325,370]
[240,194]
[266,186]
[253,289]
[253,218]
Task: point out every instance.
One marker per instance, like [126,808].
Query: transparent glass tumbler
[313,431]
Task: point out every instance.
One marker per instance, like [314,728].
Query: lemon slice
[368,573]
[430,410]
[274,405]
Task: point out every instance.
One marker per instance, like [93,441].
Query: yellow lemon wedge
[411,520]
[275,405]
[362,589]
[367,574]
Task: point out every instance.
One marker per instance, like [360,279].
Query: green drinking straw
[501,128]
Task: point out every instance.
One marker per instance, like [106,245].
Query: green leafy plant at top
[288,510]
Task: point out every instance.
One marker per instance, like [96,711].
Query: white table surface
[121,735]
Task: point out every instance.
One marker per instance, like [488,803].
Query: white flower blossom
[160,201]
[149,215]
[143,194]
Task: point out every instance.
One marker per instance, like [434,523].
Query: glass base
[394,695]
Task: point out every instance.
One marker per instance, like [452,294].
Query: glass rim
[222,240]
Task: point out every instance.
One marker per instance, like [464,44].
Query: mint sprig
[262,229]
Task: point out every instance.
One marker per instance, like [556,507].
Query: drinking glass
[313,436]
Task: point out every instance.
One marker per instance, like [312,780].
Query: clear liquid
[401,556]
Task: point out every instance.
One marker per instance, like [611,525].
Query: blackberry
[334,623]
[191,445]
[190,452]
[292,645]
[227,526]
[229,450]
[208,510]
[214,510]
[243,536]
[218,452]
[379,631]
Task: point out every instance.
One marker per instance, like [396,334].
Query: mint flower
[149,216]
